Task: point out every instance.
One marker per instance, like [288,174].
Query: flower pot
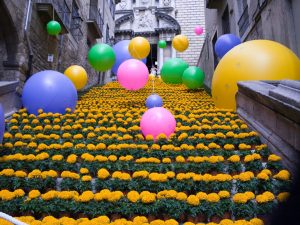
[192,219]
[215,219]
[115,217]
[227,215]
[151,218]
[201,218]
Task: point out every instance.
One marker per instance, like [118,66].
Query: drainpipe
[30,54]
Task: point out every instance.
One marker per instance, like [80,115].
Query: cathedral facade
[161,20]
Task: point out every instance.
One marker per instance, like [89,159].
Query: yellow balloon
[77,75]
[180,43]
[252,60]
[139,47]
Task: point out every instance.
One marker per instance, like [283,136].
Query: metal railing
[62,9]
[95,15]
[11,219]
[243,22]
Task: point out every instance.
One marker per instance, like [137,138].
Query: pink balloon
[133,74]
[198,30]
[158,120]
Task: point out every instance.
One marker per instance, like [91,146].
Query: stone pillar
[173,52]
[161,58]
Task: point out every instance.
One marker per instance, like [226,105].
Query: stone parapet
[273,110]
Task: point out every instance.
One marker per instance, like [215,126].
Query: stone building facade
[26,48]
[161,20]
[276,20]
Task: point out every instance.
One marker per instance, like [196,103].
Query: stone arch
[9,40]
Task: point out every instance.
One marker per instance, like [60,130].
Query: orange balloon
[180,43]
[252,60]
[77,75]
[139,47]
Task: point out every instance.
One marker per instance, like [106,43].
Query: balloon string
[53,12]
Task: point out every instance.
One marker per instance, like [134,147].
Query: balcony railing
[244,21]
[95,21]
[60,9]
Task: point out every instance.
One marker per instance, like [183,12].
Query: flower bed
[94,162]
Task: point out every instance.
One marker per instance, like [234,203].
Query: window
[243,22]
[226,22]
[76,23]
[107,34]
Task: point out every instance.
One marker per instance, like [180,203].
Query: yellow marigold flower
[86,178]
[34,194]
[166,160]
[84,171]
[91,147]
[256,221]
[250,195]
[20,174]
[229,147]
[244,126]
[35,174]
[283,196]
[201,196]
[171,222]
[57,157]
[133,196]
[149,137]
[234,158]
[170,174]
[230,134]
[112,158]
[7,172]
[100,146]
[213,146]
[262,176]
[181,196]
[86,196]
[19,193]
[224,194]
[274,158]
[282,175]
[72,159]
[103,173]
[267,171]
[180,159]
[189,223]
[148,198]
[193,200]
[243,146]
[213,197]
[240,198]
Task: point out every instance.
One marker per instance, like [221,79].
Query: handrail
[11,219]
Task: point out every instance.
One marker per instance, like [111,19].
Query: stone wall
[189,14]
[273,109]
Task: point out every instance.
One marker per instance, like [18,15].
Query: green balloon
[172,71]
[101,57]
[193,77]
[162,44]
[53,28]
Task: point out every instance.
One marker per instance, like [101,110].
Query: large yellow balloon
[252,60]
[139,47]
[180,43]
[77,75]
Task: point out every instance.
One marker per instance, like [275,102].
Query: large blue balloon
[2,123]
[122,54]
[154,100]
[49,90]
[225,43]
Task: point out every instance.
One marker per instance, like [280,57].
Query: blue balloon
[225,43]
[2,123]
[154,101]
[122,54]
[49,90]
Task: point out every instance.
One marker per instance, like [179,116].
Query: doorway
[152,57]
